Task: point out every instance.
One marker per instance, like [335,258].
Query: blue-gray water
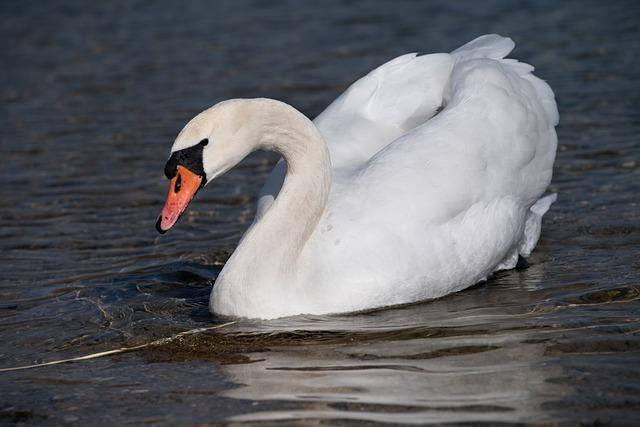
[92,97]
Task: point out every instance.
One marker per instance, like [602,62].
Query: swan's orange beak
[182,188]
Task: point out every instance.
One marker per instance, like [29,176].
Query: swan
[423,178]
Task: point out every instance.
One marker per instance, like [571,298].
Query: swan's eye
[178,186]
[204,142]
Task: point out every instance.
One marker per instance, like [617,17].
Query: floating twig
[120,350]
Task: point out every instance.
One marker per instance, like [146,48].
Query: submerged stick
[160,341]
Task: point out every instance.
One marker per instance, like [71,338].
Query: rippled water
[92,99]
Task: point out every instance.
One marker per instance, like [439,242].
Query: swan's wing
[495,137]
[382,106]
[373,111]
[455,191]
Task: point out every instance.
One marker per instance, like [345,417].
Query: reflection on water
[365,382]
[95,97]
[441,372]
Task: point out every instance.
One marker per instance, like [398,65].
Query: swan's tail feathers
[490,46]
[533,224]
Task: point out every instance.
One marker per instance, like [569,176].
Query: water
[92,99]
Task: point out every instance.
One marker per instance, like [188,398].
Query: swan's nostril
[178,185]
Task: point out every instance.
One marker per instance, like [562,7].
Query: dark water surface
[92,98]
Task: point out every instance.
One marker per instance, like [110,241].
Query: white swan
[422,179]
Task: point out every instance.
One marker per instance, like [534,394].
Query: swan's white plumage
[422,202]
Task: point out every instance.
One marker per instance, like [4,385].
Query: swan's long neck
[287,225]
[266,258]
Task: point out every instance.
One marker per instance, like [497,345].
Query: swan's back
[495,137]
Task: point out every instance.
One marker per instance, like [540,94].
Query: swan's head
[209,145]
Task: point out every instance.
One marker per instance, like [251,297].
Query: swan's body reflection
[463,358]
